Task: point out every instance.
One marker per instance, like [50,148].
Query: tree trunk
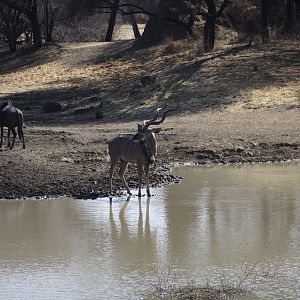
[209,30]
[297,10]
[32,15]
[112,21]
[50,15]
[209,34]
[265,35]
[135,27]
[46,22]
[10,18]
[36,32]
[289,16]
[160,28]
[12,40]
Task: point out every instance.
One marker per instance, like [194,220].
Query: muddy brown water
[215,226]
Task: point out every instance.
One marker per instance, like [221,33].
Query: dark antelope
[140,149]
[11,117]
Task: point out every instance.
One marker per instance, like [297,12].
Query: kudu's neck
[151,143]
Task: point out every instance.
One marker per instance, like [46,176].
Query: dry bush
[89,29]
[244,16]
[180,47]
[225,36]
[166,288]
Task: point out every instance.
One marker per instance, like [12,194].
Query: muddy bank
[72,160]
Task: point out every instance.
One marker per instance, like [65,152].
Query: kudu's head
[146,135]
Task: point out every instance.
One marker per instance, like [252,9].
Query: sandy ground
[239,105]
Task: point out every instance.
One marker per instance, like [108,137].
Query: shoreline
[166,178]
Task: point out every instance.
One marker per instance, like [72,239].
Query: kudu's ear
[156,130]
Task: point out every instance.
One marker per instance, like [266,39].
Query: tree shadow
[113,51]
[210,81]
[32,102]
[221,78]
[28,57]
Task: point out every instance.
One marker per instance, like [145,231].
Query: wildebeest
[140,149]
[11,117]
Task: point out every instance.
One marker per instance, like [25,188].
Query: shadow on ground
[28,57]
[209,81]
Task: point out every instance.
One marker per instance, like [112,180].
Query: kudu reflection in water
[140,149]
[132,243]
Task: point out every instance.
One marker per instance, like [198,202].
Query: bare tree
[126,9]
[133,22]
[210,17]
[265,20]
[50,14]
[30,9]
[112,20]
[9,22]
[290,16]
[171,19]
[134,25]
[175,19]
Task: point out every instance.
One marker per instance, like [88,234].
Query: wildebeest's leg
[21,134]
[140,175]
[14,138]
[23,139]
[123,167]
[147,179]
[8,138]
[1,137]
[111,173]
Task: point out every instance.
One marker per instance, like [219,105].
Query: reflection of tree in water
[182,216]
[38,229]
[129,246]
[225,213]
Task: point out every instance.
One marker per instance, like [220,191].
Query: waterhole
[215,226]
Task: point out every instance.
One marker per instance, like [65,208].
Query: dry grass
[166,288]
[180,47]
[235,79]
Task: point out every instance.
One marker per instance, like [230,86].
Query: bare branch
[223,6]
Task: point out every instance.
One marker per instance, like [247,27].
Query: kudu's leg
[123,167]
[147,179]
[140,175]
[111,173]
[14,138]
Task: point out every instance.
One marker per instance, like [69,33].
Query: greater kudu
[11,117]
[140,149]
